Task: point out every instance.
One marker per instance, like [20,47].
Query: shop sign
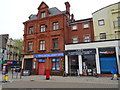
[80,52]
[41,60]
[107,51]
[49,55]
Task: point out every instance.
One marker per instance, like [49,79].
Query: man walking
[114,73]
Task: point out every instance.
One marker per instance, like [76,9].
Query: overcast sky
[14,12]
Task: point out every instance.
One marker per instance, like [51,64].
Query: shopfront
[81,60]
[54,62]
[83,57]
[108,59]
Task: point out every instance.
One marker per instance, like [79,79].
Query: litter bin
[26,72]
[47,74]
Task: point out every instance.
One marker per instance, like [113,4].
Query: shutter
[106,64]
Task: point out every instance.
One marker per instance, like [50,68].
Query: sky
[14,12]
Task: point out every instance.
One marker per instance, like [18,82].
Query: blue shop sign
[49,55]
[41,60]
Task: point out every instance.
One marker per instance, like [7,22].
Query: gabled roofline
[43,3]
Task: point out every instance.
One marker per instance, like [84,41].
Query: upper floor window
[74,27]
[55,43]
[85,25]
[101,22]
[43,14]
[30,46]
[117,23]
[55,25]
[102,35]
[31,30]
[87,38]
[42,28]
[42,45]
[75,39]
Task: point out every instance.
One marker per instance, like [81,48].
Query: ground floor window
[88,64]
[73,64]
[55,64]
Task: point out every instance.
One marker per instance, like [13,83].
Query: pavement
[73,79]
[39,81]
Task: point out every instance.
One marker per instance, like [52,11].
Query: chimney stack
[72,18]
[67,7]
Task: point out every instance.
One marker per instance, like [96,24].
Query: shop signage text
[80,52]
[49,55]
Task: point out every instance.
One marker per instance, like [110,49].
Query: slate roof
[53,11]
[32,17]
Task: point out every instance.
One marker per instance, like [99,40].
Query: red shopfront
[54,62]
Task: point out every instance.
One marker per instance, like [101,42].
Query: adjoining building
[83,57]
[3,41]
[107,22]
[81,31]
[45,36]
[12,55]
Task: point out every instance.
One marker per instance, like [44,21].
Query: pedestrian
[114,73]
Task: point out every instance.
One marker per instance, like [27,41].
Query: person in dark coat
[114,73]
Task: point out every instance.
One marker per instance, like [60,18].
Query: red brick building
[81,31]
[45,36]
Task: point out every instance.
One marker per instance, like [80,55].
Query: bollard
[6,77]
[47,74]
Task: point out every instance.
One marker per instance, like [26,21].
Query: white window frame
[74,27]
[42,44]
[75,39]
[55,25]
[86,25]
[42,28]
[43,14]
[86,38]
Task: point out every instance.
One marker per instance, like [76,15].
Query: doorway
[41,69]
[28,64]
[73,64]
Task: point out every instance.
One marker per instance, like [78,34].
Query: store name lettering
[80,52]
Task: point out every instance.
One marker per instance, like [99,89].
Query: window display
[88,64]
[55,64]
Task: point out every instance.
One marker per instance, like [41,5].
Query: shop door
[28,64]
[41,70]
[73,64]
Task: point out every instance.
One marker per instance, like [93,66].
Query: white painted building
[85,56]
